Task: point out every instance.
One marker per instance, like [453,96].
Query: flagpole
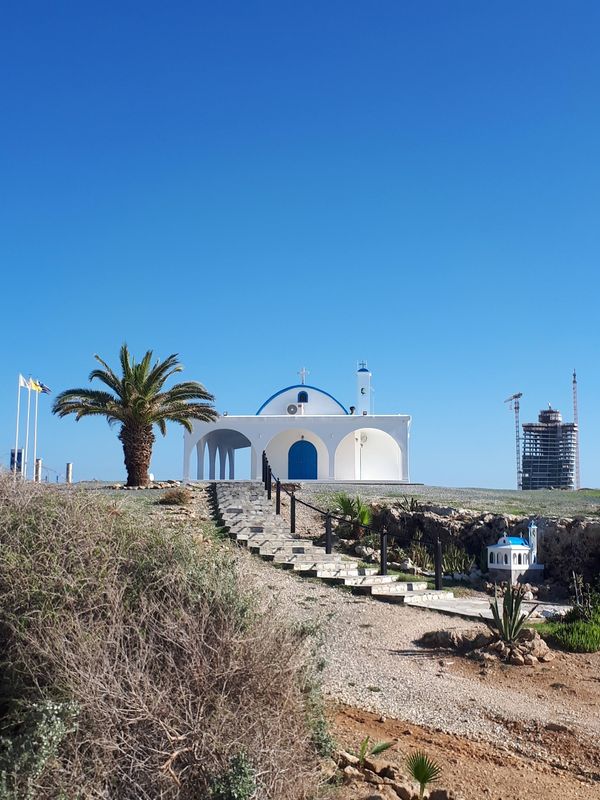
[17,430]
[35,420]
[27,430]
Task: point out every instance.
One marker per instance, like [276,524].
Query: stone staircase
[242,508]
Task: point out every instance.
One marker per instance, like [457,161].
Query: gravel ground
[370,661]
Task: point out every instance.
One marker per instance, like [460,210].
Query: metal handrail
[268,478]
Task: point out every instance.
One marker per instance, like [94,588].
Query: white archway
[216,453]
[368,454]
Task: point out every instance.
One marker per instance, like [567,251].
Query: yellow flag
[33,384]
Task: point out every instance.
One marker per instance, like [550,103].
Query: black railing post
[264,469]
[293,513]
[278,496]
[438,564]
[269,481]
[328,547]
[383,553]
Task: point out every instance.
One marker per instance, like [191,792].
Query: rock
[370,776]
[375,765]
[345,759]
[556,727]
[549,656]
[352,774]
[328,769]
[527,635]
[528,595]
[517,659]
[363,551]
[529,660]
[403,790]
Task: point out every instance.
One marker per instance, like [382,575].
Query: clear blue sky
[260,186]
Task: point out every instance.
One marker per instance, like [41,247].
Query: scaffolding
[549,452]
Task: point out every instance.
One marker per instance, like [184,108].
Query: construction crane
[514,406]
[576,421]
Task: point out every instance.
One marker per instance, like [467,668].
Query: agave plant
[365,750]
[507,628]
[423,770]
[456,560]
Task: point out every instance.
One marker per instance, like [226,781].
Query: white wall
[379,458]
[278,449]
[345,458]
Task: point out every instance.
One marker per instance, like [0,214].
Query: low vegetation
[579,630]
[135,665]
[176,497]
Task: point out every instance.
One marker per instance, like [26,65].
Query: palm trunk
[137,443]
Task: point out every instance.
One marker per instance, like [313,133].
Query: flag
[23,382]
[45,389]
[33,384]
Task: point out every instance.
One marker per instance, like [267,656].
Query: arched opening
[519,559]
[303,397]
[506,558]
[302,461]
[491,560]
[224,454]
[368,454]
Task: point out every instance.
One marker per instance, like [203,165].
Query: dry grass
[132,665]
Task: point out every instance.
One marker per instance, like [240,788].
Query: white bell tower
[533,544]
[363,386]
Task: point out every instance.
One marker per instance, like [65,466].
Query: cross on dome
[303,373]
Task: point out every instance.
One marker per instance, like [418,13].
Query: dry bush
[176,497]
[133,666]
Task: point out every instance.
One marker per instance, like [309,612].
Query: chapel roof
[301,387]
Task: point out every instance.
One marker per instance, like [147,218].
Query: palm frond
[423,770]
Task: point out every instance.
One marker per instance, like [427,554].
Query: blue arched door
[302,461]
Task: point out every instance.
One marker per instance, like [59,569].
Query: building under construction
[550,452]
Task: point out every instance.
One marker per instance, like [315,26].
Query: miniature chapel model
[307,434]
[514,558]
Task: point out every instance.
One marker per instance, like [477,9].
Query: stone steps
[251,521]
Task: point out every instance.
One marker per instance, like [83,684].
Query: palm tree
[138,402]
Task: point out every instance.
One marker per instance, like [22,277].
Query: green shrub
[237,782]
[577,636]
[134,664]
[32,734]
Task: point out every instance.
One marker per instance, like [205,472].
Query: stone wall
[564,545]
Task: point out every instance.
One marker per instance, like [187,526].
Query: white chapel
[307,434]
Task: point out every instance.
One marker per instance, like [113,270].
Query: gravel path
[371,661]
